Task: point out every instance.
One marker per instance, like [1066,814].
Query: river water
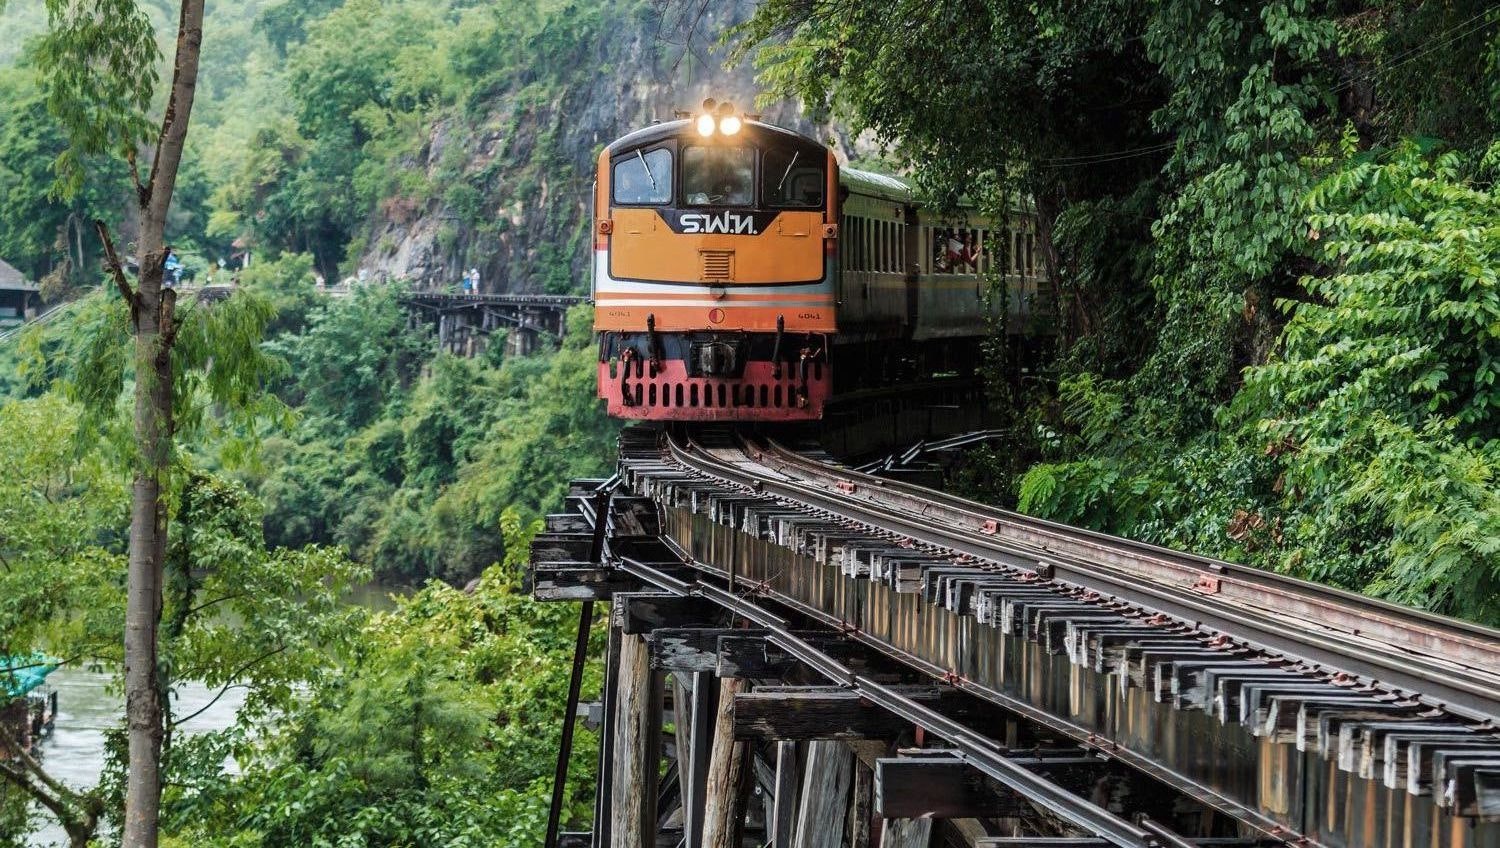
[87,707]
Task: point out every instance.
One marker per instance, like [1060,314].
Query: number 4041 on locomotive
[741,274]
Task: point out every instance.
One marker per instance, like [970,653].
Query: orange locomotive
[722,293]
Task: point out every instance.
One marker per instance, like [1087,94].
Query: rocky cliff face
[517,168]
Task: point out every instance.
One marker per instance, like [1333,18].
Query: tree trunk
[153,312]
[148,531]
[1075,312]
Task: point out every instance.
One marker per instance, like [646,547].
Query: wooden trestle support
[715,738]
[732,719]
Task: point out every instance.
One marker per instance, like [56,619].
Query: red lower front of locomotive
[714,377]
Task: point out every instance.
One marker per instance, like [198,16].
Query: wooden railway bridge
[465,322]
[803,656]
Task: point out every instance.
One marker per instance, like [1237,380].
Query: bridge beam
[942,787]
[805,713]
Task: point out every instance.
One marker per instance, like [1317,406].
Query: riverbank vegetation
[434,723]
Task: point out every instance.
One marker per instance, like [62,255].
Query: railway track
[1391,698]
[1445,663]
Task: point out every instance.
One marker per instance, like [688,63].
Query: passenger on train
[971,249]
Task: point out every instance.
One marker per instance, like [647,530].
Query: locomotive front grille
[717,264]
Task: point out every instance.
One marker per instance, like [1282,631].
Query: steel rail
[980,752]
[1395,622]
[1461,657]
[1021,708]
[1466,695]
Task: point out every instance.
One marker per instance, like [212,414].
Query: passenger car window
[644,177]
[792,179]
[718,176]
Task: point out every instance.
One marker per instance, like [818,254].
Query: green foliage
[420,727]
[434,724]
[15,817]
[414,475]
[1384,401]
[357,356]
[290,285]
[440,728]
[1168,149]
[220,371]
[60,523]
[550,429]
[1363,453]
[235,614]
[98,62]
[46,238]
[285,23]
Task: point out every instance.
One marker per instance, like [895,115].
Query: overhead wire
[1422,49]
[1103,158]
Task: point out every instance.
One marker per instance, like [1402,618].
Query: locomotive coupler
[716,358]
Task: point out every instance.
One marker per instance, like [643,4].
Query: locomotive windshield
[644,177]
[791,179]
[718,176]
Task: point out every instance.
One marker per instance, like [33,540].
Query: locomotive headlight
[705,125]
[729,125]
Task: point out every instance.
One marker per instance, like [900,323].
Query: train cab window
[718,176]
[644,177]
[791,179]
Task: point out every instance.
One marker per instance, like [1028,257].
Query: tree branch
[19,778]
[205,708]
[233,677]
[142,192]
[116,270]
[174,122]
[80,823]
[34,768]
[206,604]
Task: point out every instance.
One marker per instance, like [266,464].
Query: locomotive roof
[755,130]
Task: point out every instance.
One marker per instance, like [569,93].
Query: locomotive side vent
[717,264]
